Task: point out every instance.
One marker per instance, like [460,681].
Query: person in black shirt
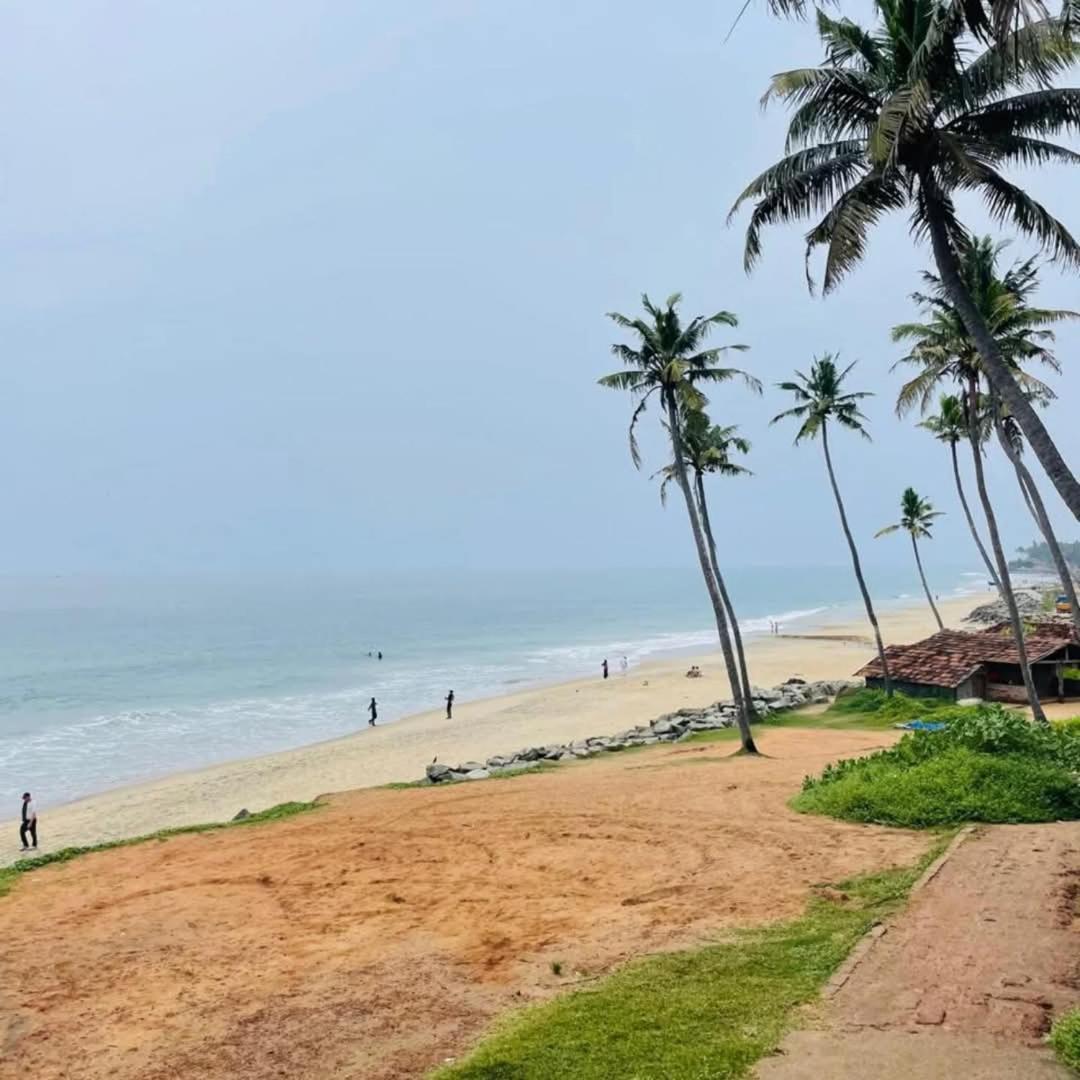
[450,705]
[28,828]
[373,708]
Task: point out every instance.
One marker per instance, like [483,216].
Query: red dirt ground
[379,935]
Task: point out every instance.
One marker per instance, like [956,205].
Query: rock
[498,761]
[437,772]
[765,695]
[552,753]
[469,766]
[580,752]
[530,753]
[241,814]
[663,727]
[477,774]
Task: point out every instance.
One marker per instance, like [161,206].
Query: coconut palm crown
[669,358]
[944,350]
[916,517]
[821,397]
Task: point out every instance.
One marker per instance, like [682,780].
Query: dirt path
[965,982]
[375,937]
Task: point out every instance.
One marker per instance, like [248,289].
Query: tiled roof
[946,659]
[949,657]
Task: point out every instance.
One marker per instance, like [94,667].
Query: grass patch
[1065,1039]
[990,764]
[705,1014]
[10,874]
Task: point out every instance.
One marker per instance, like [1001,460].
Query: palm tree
[821,398]
[668,360]
[950,426]
[901,117]
[708,450]
[916,519]
[944,350]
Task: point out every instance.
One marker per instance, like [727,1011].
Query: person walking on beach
[624,665]
[603,667]
[28,828]
[373,708]
[450,705]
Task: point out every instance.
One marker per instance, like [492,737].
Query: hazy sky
[321,286]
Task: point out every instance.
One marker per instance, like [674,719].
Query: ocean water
[109,682]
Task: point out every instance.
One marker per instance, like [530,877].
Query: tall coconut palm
[904,117]
[668,360]
[944,350]
[708,450]
[916,519]
[949,426]
[821,398]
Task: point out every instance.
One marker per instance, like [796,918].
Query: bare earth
[967,980]
[399,751]
[381,934]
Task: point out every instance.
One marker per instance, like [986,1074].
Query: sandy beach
[400,750]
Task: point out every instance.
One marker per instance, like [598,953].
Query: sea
[109,681]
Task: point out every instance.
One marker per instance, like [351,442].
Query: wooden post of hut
[1059,669]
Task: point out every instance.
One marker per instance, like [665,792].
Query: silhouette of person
[28,826]
[373,708]
[379,654]
[450,705]
[604,668]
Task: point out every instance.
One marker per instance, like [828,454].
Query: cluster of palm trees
[933,102]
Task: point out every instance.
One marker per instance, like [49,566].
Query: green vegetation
[989,764]
[706,1013]
[1065,1039]
[9,874]
[1037,556]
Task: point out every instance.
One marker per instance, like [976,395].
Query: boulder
[663,727]
[437,772]
[241,814]
[477,774]
[498,761]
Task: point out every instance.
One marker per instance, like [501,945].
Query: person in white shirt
[29,822]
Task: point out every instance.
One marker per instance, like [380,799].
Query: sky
[321,287]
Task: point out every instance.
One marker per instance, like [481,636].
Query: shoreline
[398,751]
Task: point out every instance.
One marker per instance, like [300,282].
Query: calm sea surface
[106,682]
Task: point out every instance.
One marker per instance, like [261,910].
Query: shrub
[1065,1038]
[989,764]
[954,786]
[899,708]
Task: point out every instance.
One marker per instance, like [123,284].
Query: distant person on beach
[450,705]
[28,828]
[373,708]
[379,654]
[624,665]
[603,667]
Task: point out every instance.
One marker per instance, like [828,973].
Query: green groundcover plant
[988,764]
[1065,1038]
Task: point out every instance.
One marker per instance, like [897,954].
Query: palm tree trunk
[926,588]
[733,622]
[855,562]
[999,552]
[970,520]
[1038,511]
[742,706]
[997,370]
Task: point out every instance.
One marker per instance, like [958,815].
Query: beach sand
[399,751]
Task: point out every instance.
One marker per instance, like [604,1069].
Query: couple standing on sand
[624,666]
[373,709]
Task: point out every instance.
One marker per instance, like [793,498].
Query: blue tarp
[922,725]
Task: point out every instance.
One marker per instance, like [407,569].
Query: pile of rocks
[671,727]
[1029,602]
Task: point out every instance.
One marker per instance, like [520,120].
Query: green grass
[990,764]
[10,874]
[1065,1039]
[705,1014]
